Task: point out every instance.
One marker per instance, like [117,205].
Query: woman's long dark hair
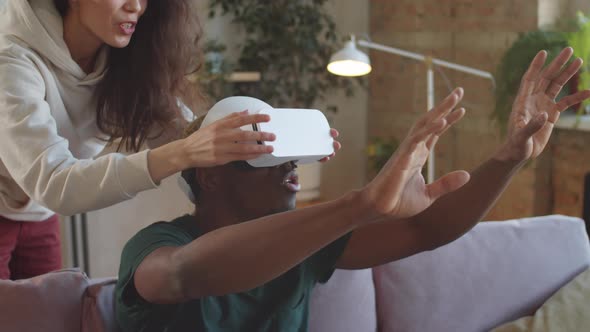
[144,80]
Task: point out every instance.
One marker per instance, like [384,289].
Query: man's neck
[212,217]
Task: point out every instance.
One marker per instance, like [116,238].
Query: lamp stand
[430,63]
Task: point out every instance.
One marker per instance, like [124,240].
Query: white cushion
[497,272]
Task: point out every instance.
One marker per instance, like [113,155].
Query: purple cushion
[496,273]
[345,303]
[50,303]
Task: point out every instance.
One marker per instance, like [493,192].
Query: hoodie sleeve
[39,160]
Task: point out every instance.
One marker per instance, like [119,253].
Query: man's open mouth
[291,182]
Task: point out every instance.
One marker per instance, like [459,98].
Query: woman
[76,74]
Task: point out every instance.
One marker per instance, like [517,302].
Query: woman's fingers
[238,135]
[337,145]
[242,119]
[334,133]
[239,157]
[242,149]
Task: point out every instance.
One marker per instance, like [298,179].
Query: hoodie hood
[38,25]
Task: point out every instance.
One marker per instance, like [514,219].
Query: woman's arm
[39,159]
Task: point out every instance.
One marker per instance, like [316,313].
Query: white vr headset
[302,135]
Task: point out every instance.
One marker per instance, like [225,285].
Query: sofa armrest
[98,311]
[51,302]
[495,273]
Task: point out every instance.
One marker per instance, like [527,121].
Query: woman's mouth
[127,28]
[291,182]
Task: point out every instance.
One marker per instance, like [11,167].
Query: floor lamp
[351,62]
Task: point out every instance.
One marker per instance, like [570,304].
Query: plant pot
[310,180]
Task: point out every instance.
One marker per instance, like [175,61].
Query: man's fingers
[451,119]
[553,70]
[431,142]
[533,73]
[523,134]
[441,110]
[447,184]
[424,133]
[454,117]
[571,100]
[559,82]
[448,104]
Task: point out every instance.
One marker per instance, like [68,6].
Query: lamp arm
[423,58]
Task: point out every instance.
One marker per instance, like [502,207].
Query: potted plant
[579,39]
[289,43]
[514,64]
[517,58]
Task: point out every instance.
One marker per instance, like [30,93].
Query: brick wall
[474,33]
[569,164]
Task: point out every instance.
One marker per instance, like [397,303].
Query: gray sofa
[496,273]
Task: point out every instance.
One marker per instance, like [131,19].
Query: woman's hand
[399,190]
[223,141]
[334,133]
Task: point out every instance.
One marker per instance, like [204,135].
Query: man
[247,261]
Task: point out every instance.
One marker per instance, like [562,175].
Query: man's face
[260,191]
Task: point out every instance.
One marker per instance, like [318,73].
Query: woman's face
[111,21]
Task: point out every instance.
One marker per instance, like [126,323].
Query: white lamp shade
[349,61]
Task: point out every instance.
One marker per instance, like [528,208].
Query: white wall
[347,171]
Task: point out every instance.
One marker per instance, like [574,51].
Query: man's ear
[207,178]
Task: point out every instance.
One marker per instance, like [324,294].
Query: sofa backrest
[497,272]
[345,304]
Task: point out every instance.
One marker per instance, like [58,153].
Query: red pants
[28,249]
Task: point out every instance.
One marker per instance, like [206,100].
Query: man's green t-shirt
[279,305]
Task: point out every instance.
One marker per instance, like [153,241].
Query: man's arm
[531,122]
[243,256]
[444,221]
